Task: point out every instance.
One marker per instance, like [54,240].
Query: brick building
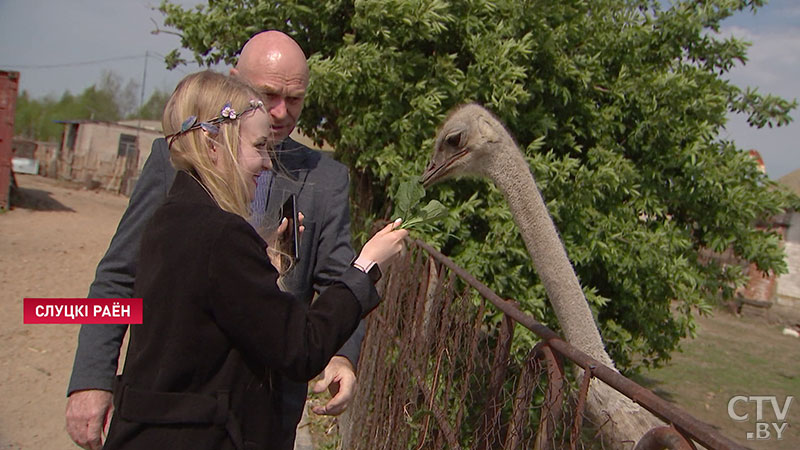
[9,82]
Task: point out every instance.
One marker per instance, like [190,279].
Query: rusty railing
[435,373]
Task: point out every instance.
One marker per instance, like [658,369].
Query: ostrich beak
[428,177]
[437,171]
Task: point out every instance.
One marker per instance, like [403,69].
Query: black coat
[321,186]
[201,370]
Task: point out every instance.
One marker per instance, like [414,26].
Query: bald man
[275,65]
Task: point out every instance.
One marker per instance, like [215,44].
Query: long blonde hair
[203,95]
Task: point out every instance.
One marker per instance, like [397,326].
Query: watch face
[374,273]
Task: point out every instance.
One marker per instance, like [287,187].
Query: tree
[26,116]
[106,100]
[125,100]
[35,118]
[618,106]
[153,109]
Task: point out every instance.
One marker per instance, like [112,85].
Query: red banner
[82,310]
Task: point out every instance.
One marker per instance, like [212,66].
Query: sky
[60,45]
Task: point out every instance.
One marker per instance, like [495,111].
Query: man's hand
[339,377]
[88,415]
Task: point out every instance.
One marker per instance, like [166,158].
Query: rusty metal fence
[434,375]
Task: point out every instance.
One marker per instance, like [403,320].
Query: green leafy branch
[408,196]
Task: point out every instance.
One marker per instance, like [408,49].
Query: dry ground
[49,246]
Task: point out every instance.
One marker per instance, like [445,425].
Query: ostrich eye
[454,140]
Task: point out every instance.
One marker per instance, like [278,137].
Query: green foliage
[106,100]
[408,196]
[617,105]
[153,109]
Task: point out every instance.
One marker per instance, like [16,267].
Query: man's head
[276,67]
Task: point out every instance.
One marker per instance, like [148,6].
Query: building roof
[154,125]
[792,181]
[124,124]
[298,136]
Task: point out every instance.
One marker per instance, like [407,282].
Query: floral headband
[211,126]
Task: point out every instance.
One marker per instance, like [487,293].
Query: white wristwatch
[369,267]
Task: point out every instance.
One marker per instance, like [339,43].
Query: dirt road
[49,247]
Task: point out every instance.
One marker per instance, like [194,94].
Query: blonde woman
[201,369]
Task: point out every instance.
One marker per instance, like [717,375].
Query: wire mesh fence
[434,374]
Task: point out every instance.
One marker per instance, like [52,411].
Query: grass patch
[733,356]
[324,430]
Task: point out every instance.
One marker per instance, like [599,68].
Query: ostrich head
[464,144]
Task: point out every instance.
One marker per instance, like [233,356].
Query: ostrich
[473,142]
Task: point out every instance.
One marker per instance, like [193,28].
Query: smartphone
[289,211]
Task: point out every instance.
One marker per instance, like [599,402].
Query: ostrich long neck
[511,174]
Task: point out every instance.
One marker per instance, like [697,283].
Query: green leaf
[408,195]
[434,210]
[431,212]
